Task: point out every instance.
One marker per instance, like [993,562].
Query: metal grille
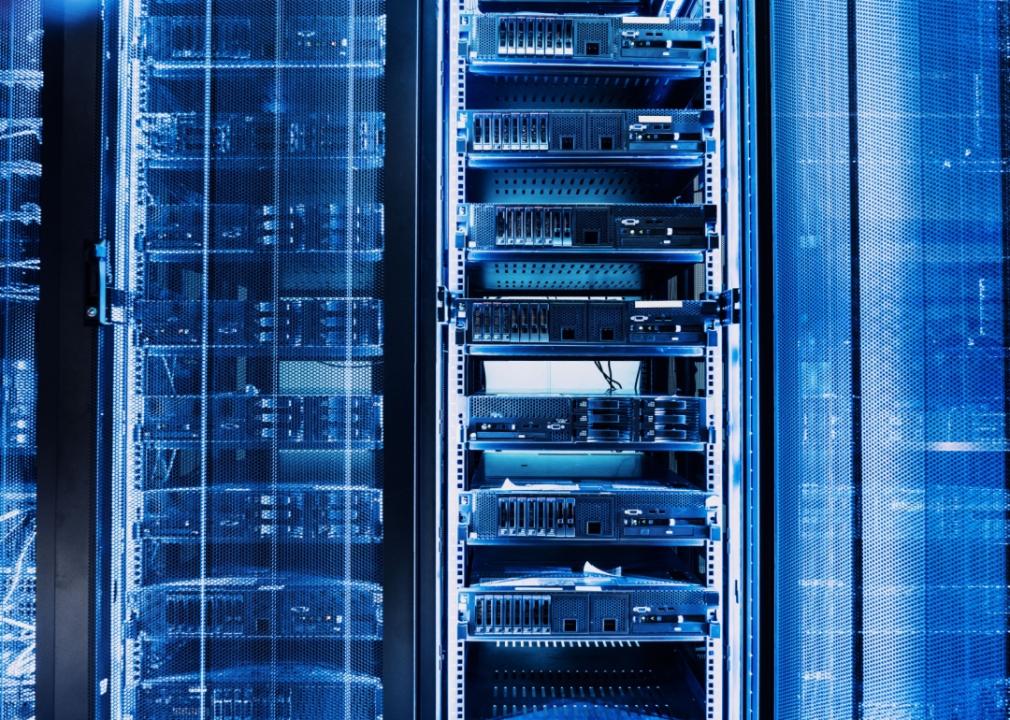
[598,33]
[604,127]
[562,185]
[891,352]
[246,479]
[20,217]
[561,276]
[608,607]
[604,318]
[569,609]
[510,406]
[567,131]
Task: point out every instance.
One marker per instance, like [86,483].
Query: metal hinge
[729,306]
[463,42]
[465,516]
[442,303]
[462,229]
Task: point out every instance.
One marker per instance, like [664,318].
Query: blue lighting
[20,218]
[890,360]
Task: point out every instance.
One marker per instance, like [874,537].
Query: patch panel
[585,227]
[241,228]
[170,421]
[628,421]
[254,608]
[572,134]
[587,605]
[287,322]
[235,514]
[594,43]
[647,322]
[587,512]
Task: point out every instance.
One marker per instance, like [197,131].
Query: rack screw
[92,312]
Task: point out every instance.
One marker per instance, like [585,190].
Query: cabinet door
[249,354]
[890,351]
[20,222]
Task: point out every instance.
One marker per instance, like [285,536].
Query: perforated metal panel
[595,33]
[248,415]
[560,276]
[20,217]
[513,185]
[890,359]
[570,609]
[510,406]
[607,608]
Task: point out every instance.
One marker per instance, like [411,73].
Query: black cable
[608,378]
[610,370]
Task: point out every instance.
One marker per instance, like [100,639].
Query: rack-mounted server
[254,692]
[186,137]
[604,229]
[253,609]
[591,43]
[588,681]
[561,322]
[631,422]
[590,511]
[176,230]
[288,322]
[591,605]
[252,420]
[241,514]
[601,135]
[240,39]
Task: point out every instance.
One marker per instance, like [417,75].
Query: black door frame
[67,359]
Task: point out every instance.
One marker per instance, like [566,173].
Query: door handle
[98,310]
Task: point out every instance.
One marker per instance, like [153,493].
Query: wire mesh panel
[890,359]
[247,478]
[20,170]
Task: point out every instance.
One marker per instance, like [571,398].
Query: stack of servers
[248,491]
[584,398]
[20,218]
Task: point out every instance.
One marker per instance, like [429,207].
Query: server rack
[546,274]
[588,303]
[247,484]
[20,220]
